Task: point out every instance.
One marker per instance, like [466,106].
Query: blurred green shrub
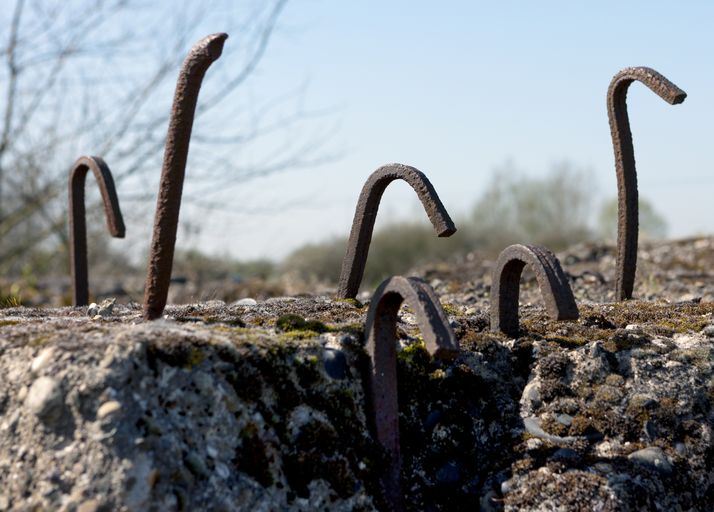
[552,210]
[652,224]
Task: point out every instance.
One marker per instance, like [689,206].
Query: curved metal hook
[380,330]
[366,213]
[506,282]
[163,241]
[627,214]
[78,222]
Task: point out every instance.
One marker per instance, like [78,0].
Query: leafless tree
[96,77]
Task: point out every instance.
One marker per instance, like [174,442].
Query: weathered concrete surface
[261,406]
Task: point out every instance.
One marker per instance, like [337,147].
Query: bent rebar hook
[78,221]
[163,241]
[506,282]
[355,259]
[627,207]
[381,333]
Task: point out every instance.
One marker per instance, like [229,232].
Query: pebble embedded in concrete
[652,456]
[196,464]
[108,408]
[42,359]
[335,363]
[564,419]
[103,310]
[106,308]
[223,471]
[45,399]
[530,399]
[88,506]
[708,331]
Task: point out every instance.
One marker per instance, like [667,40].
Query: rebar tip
[447,231]
[679,97]
[653,79]
[212,45]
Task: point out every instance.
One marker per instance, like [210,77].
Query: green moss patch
[298,323]
[451,309]
[298,334]
[673,317]
[352,302]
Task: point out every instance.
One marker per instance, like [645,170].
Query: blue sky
[457,89]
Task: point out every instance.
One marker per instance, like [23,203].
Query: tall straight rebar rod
[627,195]
[163,241]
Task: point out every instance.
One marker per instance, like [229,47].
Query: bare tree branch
[250,66]
[11,89]
[79,82]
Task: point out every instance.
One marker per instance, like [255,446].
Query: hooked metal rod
[78,222]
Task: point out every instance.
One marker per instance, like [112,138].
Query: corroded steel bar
[78,222]
[163,241]
[505,286]
[366,213]
[381,333]
[627,211]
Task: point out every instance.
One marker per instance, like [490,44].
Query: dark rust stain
[506,282]
[355,258]
[381,333]
[78,222]
[627,197]
[163,241]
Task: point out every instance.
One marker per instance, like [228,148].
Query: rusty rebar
[506,282]
[381,333]
[163,241]
[627,196]
[78,222]
[355,258]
